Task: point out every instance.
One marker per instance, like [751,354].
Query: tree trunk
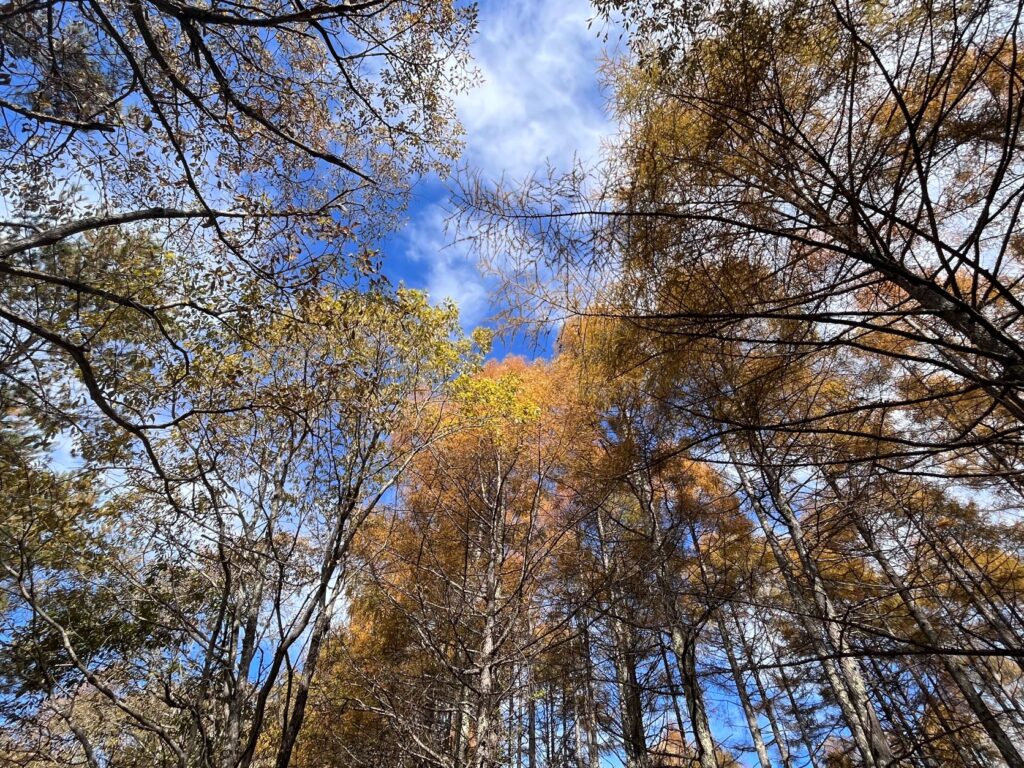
[744,697]
[781,743]
[845,679]
[953,665]
[684,645]
[624,660]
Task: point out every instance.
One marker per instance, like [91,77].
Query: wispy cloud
[539,103]
[539,100]
[447,269]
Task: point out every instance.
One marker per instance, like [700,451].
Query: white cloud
[539,100]
[450,270]
[539,103]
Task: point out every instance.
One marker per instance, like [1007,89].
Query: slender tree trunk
[684,640]
[803,723]
[549,721]
[954,736]
[593,751]
[520,721]
[531,729]
[577,730]
[488,735]
[674,693]
[781,743]
[684,645]
[975,592]
[744,697]
[305,679]
[624,660]
[953,665]
[917,748]
[845,679]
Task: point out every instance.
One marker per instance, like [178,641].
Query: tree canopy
[758,505]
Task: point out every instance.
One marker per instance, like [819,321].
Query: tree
[802,257]
[450,622]
[265,147]
[190,300]
[231,562]
[846,154]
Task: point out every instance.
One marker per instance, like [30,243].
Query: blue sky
[540,102]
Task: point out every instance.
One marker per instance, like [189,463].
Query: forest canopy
[749,495]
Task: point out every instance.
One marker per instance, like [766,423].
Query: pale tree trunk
[845,679]
[979,599]
[549,722]
[954,735]
[804,726]
[635,740]
[577,731]
[916,743]
[953,665]
[520,715]
[459,719]
[744,696]
[781,743]
[590,700]
[486,730]
[624,660]
[305,676]
[674,693]
[684,640]
[250,600]
[488,734]
[684,645]
[881,753]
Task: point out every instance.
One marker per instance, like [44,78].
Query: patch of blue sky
[540,102]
